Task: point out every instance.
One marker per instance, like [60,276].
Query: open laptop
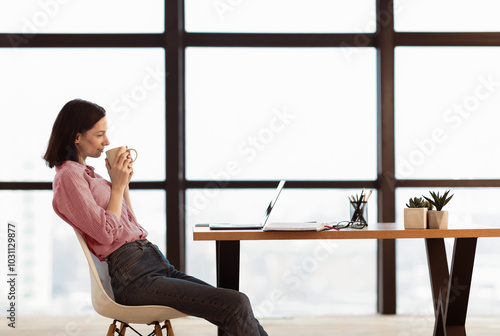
[265,225]
[267,213]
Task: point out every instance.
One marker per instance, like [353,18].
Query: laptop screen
[272,203]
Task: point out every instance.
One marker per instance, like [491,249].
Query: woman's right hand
[121,170]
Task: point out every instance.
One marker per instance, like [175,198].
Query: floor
[377,325]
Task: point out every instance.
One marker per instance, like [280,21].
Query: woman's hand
[120,172]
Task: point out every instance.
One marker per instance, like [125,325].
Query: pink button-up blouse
[81,197]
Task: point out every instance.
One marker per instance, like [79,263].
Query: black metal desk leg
[228,264]
[386,276]
[457,301]
[438,269]
[439,274]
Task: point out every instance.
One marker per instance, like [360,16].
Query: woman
[102,212]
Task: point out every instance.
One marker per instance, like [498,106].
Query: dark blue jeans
[141,275]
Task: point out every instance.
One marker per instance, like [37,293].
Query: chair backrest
[100,282]
[103,273]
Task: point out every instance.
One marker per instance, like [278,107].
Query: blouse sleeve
[74,203]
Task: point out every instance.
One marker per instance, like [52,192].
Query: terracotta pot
[415,218]
[437,219]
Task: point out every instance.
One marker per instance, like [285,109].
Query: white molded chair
[104,304]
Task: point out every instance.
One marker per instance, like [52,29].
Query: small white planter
[437,219]
[415,218]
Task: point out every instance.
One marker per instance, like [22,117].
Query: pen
[367,197]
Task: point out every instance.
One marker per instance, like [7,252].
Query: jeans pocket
[123,260]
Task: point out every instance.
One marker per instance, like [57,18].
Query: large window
[287,113]
[446,16]
[224,98]
[280,114]
[128,83]
[38,78]
[280,16]
[447,112]
[91,16]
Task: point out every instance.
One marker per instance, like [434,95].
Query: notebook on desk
[294,226]
[265,225]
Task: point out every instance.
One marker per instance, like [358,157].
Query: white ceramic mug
[112,153]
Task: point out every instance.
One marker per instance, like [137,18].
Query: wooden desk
[450,286]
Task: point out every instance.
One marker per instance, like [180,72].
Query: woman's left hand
[130,165]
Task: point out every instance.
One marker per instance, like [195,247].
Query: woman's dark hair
[77,116]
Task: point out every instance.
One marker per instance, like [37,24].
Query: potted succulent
[415,213]
[438,219]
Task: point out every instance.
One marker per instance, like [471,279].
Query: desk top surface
[373,231]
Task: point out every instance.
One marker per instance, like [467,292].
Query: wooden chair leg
[170,330]
[111,330]
[123,328]
[158,329]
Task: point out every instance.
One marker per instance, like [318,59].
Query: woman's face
[92,142]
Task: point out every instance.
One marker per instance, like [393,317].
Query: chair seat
[139,314]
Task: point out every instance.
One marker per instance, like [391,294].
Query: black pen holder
[359,212]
